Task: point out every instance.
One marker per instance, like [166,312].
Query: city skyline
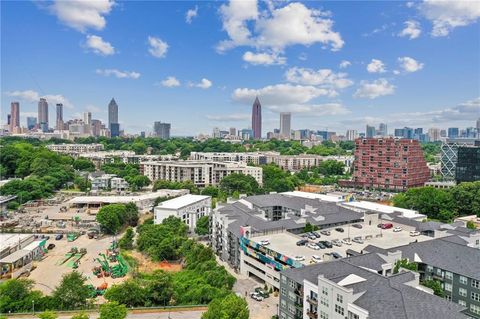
[371,68]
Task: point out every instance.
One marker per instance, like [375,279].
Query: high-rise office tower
[59,122]
[9,119]
[114,130]
[112,113]
[371,132]
[434,134]
[162,130]
[257,119]
[351,135]
[87,118]
[14,116]
[43,114]
[285,124]
[478,126]
[408,133]
[232,131]
[31,122]
[382,129]
[96,127]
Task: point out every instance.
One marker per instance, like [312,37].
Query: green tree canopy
[244,184]
[203,226]
[126,242]
[113,310]
[72,293]
[230,307]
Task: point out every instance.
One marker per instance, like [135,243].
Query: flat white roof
[32,245]
[182,201]
[386,209]
[11,240]
[126,199]
[327,198]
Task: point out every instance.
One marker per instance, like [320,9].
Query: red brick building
[389,163]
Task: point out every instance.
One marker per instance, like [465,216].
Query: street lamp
[33,307]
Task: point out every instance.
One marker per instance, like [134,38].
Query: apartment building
[389,163]
[201,173]
[346,289]
[189,208]
[73,149]
[255,158]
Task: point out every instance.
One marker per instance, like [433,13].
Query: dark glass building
[468,164]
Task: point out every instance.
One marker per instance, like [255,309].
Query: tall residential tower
[43,115]
[285,124]
[59,123]
[257,119]
[14,116]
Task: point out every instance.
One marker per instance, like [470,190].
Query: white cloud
[158,48]
[281,94]
[326,109]
[344,64]
[321,77]
[409,65]
[263,58]
[448,15]
[170,82]
[99,46]
[204,84]
[119,74]
[33,97]
[229,117]
[376,66]
[276,29]
[411,30]
[191,13]
[374,89]
[82,15]
[94,109]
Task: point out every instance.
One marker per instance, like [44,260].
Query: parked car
[387,226]
[414,233]
[262,292]
[256,296]
[339,229]
[299,258]
[397,229]
[312,237]
[357,226]
[321,245]
[264,242]
[59,236]
[380,225]
[358,240]
[346,241]
[337,243]
[327,244]
[316,259]
[316,234]
[50,246]
[302,242]
[336,255]
[325,232]
[313,246]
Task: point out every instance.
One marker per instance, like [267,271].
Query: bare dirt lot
[145,264]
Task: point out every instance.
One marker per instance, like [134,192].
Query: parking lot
[286,243]
[49,271]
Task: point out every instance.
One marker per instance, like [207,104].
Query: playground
[83,255]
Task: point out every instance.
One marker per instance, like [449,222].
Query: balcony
[312,301]
[312,315]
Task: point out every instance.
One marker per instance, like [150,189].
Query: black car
[339,229]
[58,237]
[336,255]
[326,243]
[316,234]
[321,246]
[302,242]
[357,226]
[51,246]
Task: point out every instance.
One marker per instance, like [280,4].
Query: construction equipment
[72,236]
[121,269]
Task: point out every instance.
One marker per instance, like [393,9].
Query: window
[292,284]
[462,292]
[339,310]
[324,301]
[475,309]
[448,287]
[283,303]
[325,291]
[439,272]
[448,275]
[475,284]
[462,302]
[352,315]
[323,315]
[284,279]
[463,280]
[339,298]
[448,297]
[475,296]
[284,292]
[291,309]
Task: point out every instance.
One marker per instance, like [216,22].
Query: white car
[346,241]
[299,258]
[414,233]
[337,243]
[316,259]
[397,229]
[265,242]
[313,246]
[256,296]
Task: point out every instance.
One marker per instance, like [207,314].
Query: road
[148,315]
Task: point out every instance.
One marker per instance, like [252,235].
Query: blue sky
[199,65]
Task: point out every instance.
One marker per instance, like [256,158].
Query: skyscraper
[434,134]
[478,126]
[285,124]
[59,122]
[382,129]
[31,122]
[371,132]
[162,130]
[232,131]
[257,119]
[453,132]
[43,114]
[112,113]
[14,116]
[87,118]
[351,135]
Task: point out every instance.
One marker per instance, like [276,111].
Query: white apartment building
[75,148]
[201,173]
[189,208]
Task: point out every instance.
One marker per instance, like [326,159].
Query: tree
[331,167]
[126,242]
[83,164]
[471,225]
[72,293]
[277,180]
[131,214]
[466,197]
[112,217]
[230,307]
[435,285]
[81,315]
[240,183]
[16,295]
[113,310]
[137,182]
[203,226]
[129,293]
[210,191]
[160,289]
[309,227]
[48,315]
